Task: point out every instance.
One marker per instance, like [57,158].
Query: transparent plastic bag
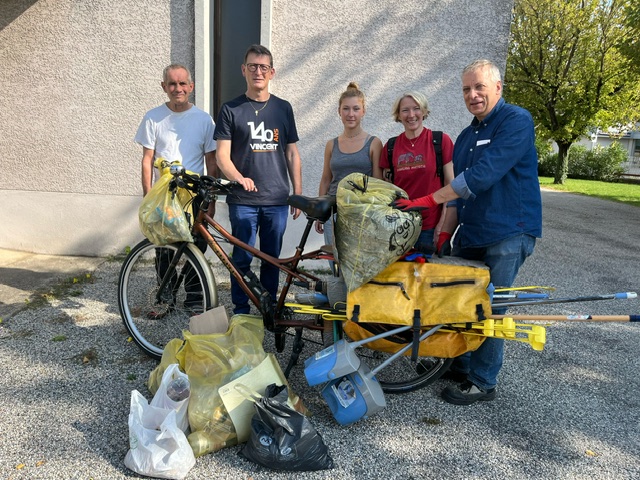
[161,215]
[370,234]
[161,398]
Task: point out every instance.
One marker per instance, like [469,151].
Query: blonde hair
[353,90]
[417,97]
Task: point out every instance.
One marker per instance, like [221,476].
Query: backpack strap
[437,146]
[390,144]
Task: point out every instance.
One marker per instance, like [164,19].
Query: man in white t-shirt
[178,130]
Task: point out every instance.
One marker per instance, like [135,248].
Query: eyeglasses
[252,67]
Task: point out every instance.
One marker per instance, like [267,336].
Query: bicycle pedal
[268,311]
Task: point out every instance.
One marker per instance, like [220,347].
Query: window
[224,30]
[236,25]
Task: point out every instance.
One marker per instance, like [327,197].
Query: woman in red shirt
[414,167]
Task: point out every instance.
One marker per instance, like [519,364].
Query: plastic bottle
[312,298]
[178,389]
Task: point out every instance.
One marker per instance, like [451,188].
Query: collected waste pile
[216,390]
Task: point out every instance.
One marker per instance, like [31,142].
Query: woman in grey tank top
[353,151]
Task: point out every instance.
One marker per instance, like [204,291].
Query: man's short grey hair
[175,66]
[494,71]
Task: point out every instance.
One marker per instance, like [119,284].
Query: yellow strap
[506,328]
[514,289]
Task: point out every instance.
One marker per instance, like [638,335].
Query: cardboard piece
[211,321]
[240,408]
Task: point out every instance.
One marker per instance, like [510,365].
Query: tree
[566,67]
[630,46]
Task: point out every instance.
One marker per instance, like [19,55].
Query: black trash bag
[283,439]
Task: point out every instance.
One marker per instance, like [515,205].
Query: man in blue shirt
[499,209]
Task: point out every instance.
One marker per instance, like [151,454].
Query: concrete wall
[79,74]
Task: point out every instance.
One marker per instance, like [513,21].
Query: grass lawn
[618,192]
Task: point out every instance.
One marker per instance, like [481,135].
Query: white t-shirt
[184,136]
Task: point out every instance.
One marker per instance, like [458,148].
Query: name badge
[483,142]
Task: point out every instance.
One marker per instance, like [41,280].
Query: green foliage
[630,46]
[543,147]
[547,164]
[565,66]
[603,164]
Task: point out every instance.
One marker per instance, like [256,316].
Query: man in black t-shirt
[256,146]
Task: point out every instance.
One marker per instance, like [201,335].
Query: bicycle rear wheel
[402,375]
[152,318]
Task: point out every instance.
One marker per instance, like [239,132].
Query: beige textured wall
[82,74]
[388,47]
[78,75]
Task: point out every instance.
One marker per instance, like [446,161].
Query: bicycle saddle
[316,208]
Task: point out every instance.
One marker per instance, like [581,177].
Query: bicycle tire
[402,375]
[153,324]
[423,373]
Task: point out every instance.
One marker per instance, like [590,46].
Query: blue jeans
[425,241]
[249,222]
[504,259]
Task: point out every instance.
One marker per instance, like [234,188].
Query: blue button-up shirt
[496,168]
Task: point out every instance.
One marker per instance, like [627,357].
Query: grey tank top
[342,164]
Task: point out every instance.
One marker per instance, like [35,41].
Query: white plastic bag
[157,447]
[162,400]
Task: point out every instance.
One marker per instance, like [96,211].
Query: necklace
[261,108]
[352,136]
[413,141]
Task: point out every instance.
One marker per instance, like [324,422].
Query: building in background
[78,76]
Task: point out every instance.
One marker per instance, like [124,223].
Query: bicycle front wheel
[153,317]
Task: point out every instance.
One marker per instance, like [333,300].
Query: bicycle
[156,298]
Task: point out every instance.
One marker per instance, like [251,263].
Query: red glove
[443,247]
[414,205]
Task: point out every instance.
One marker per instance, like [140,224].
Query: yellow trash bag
[211,361]
[162,212]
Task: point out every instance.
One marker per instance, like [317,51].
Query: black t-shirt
[259,134]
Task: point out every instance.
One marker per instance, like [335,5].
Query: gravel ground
[568,412]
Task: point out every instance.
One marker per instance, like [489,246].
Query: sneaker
[193,304]
[157,314]
[193,310]
[467,393]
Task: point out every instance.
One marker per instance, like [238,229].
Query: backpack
[437,146]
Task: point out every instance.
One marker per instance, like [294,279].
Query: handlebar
[201,184]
